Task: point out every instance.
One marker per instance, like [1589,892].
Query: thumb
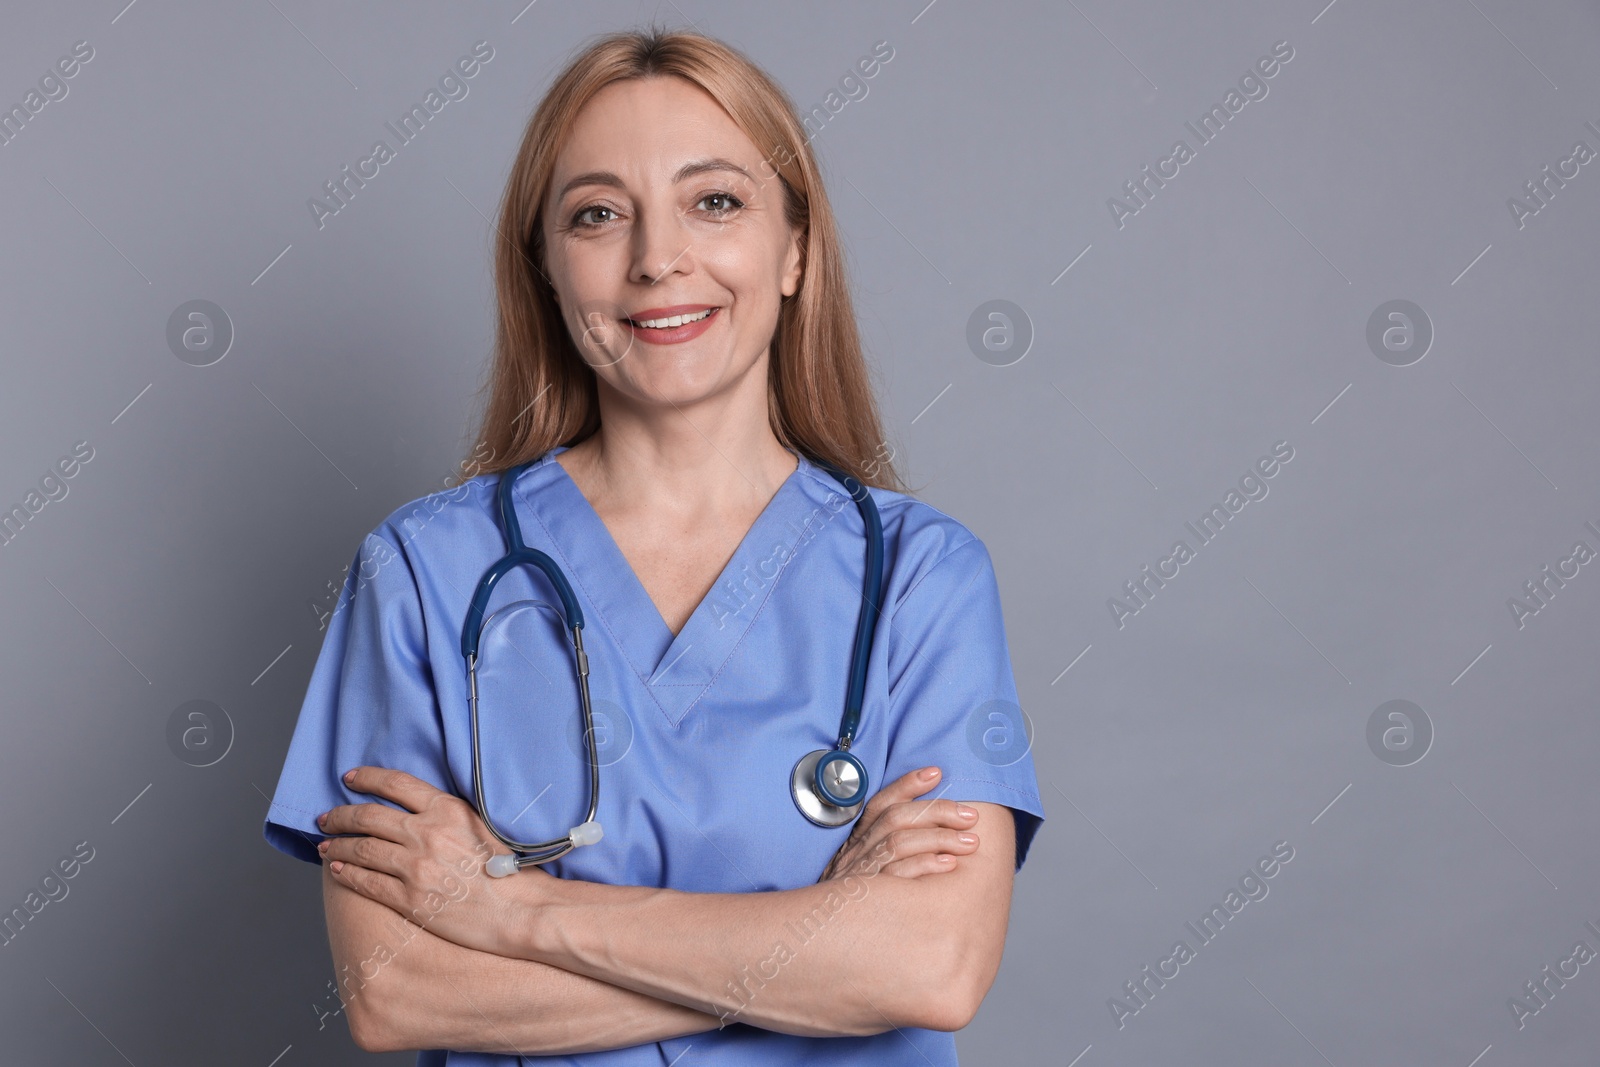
[908,786]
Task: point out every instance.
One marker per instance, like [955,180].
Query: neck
[718,457]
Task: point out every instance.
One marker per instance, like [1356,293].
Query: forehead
[648,127]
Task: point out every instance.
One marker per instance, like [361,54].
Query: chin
[678,390]
[682,382]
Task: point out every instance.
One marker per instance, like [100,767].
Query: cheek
[754,314]
[587,281]
[587,269]
[753,275]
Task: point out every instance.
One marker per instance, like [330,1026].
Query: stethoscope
[829,786]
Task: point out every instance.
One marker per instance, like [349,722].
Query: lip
[677,334]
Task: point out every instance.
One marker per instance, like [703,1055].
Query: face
[666,243]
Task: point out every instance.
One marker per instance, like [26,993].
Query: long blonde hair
[540,391]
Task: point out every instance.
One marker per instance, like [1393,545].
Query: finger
[920,813]
[373,820]
[903,844]
[373,853]
[917,866]
[408,791]
[908,814]
[902,790]
[374,885]
[908,786]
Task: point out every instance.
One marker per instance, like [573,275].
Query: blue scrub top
[697,733]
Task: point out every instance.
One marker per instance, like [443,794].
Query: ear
[794,265]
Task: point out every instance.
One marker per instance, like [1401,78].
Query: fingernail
[967,839]
[349,776]
[322,846]
[929,774]
[966,812]
[322,820]
[336,866]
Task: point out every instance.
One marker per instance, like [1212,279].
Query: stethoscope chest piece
[843,777]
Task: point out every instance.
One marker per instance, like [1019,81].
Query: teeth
[675,320]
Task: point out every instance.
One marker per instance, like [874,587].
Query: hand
[426,862]
[905,837]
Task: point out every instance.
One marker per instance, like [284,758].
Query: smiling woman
[678,396]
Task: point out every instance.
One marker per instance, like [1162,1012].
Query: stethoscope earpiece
[509,863]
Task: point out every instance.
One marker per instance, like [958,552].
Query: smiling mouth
[671,321]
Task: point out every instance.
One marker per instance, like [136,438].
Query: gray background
[1228,314]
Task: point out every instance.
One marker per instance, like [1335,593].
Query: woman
[676,355]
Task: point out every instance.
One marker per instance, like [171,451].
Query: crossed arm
[428,992]
[535,964]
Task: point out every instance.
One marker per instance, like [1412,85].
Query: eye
[581,218]
[729,203]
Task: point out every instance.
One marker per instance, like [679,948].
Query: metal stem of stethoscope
[530,853]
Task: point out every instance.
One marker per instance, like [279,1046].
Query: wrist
[539,915]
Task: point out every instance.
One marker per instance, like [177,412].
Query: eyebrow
[688,170]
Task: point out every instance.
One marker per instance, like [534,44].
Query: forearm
[853,956]
[406,988]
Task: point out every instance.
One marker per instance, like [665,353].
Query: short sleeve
[952,696]
[371,701]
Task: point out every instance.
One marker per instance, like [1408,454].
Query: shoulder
[449,520]
[931,546]
[919,539]
[437,518]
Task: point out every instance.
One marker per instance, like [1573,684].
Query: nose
[661,247]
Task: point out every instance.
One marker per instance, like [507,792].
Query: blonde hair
[540,391]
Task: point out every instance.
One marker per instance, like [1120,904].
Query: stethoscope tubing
[867,619]
[536,852]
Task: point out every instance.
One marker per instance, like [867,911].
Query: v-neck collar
[675,670]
